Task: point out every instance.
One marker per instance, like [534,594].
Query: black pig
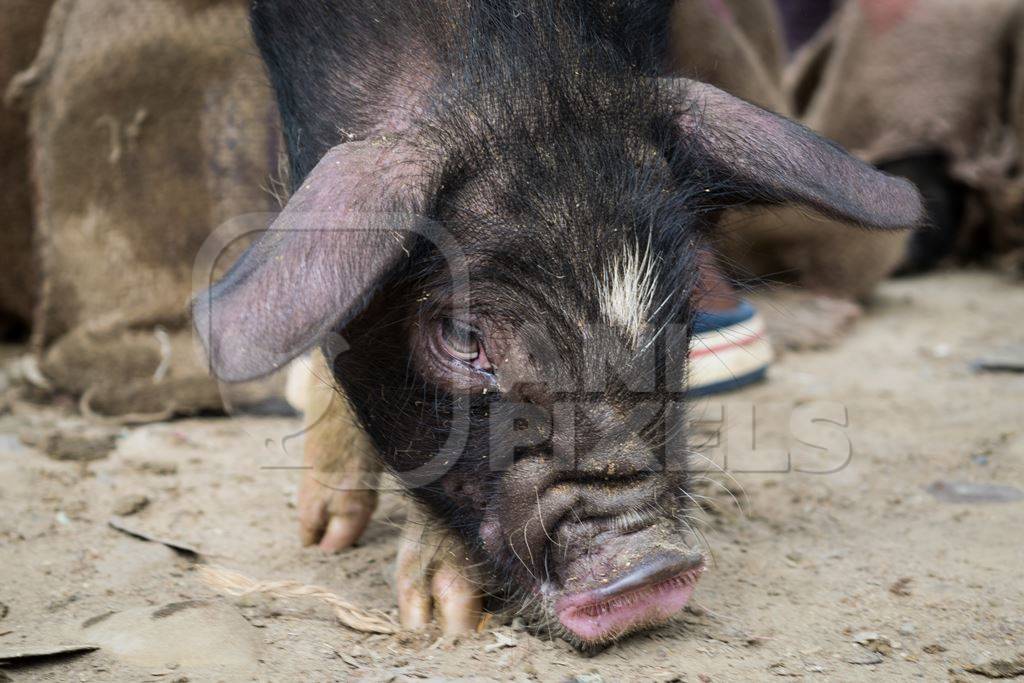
[501,206]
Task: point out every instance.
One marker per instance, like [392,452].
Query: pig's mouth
[613,560]
[642,597]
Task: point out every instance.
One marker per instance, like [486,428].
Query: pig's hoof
[802,321]
[435,578]
[334,511]
[338,492]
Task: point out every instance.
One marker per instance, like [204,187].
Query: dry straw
[239,585]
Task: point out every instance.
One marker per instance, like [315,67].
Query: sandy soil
[812,564]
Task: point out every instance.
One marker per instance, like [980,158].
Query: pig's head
[506,294]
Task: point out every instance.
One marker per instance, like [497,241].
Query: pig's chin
[624,585]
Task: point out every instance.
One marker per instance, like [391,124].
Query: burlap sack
[803,18]
[736,45]
[21,31]
[893,80]
[761,23]
[151,124]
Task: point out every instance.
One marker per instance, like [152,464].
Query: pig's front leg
[338,495]
[435,577]
[338,492]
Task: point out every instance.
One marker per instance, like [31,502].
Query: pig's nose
[650,592]
[650,572]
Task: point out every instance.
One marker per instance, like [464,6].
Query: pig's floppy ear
[317,266]
[769,158]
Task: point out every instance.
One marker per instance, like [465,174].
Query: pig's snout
[563,512]
[602,541]
[644,594]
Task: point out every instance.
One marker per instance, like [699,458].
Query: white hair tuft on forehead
[627,289]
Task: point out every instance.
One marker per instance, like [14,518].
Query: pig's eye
[457,355]
[460,340]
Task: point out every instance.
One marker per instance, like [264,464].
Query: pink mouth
[644,598]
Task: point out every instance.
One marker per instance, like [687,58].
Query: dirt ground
[871,572]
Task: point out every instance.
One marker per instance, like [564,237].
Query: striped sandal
[729,350]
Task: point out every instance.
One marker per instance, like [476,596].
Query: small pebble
[938,351]
[1006,359]
[502,641]
[780,669]
[901,587]
[74,444]
[130,504]
[585,678]
[965,492]
[865,658]
[158,467]
[996,667]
